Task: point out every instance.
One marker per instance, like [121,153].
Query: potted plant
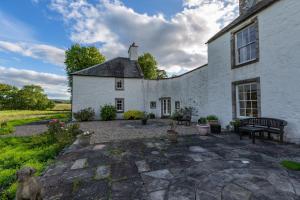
[172,134]
[145,119]
[212,119]
[235,124]
[202,126]
[85,138]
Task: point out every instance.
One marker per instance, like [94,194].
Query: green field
[20,117]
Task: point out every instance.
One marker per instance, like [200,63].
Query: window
[177,105]
[153,105]
[246,44]
[119,105]
[247,100]
[119,84]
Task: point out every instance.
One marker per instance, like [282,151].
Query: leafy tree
[8,95]
[81,57]
[148,65]
[32,97]
[161,74]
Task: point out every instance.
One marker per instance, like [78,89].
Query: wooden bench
[262,125]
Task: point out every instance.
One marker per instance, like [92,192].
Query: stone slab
[99,147]
[197,149]
[79,164]
[102,172]
[142,166]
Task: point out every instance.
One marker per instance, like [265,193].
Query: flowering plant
[55,126]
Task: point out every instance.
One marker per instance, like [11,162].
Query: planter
[84,140]
[203,129]
[172,136]
[215,128]
[144,121]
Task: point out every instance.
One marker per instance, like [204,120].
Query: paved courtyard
[211,167]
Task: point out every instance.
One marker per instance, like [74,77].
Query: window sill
[244,64]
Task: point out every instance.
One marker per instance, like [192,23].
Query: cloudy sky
[35,33]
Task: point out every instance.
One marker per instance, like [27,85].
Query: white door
[166,107]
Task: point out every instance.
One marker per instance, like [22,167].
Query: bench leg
[281,138]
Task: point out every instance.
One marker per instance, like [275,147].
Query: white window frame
[119,101]
[254,43]
[238,110]
[117,81]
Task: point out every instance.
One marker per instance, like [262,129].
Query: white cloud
[54,85]
[177,42]
[46,53]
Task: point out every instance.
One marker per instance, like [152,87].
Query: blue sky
[35,33]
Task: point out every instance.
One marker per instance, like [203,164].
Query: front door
[166,107]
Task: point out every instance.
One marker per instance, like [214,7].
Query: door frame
[162,106]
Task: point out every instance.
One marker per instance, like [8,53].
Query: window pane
[252,33]
[239,40]
[248,104]
[253,51]
[247,88]
[255,113]
[248,113]
[254,95]
[254,104]
[253,87]
[246,38]
[242,104]
[248,52]
[241,88]
[241,96]
[242,112]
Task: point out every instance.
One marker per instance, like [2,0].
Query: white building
[253,70]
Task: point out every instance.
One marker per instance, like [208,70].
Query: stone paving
[197,167]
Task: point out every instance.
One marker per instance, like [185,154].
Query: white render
[209,89]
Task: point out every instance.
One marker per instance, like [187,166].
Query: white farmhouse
[253,70]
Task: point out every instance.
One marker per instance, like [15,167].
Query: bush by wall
[133,115]
[108,112]
[86,114]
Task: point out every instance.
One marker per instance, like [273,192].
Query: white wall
[98,91]
[190,89]
[278,68]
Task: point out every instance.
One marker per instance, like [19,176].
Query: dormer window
[245,46]
[119,84]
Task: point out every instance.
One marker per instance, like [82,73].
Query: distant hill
[61,101]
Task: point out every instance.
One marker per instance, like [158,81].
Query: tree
[81,57]
[161,74]
[8,95]
[148,65]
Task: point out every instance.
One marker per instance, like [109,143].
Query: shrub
[202,120]
[212,118]
[177,114]
[55,126]
[86,114]
[133,115]
[151,116]
[108,112]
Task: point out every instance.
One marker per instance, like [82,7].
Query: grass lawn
[16,152]
[62,106]
[291,165]
[21,117]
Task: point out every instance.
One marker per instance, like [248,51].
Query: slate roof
[117,67]
[252,11]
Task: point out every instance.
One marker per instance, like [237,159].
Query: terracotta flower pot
[172,136]
[203,129]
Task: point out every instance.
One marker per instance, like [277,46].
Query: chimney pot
[133,52]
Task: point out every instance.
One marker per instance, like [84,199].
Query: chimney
[245,5]
[133,52]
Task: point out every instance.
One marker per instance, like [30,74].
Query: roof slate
[117,67]
[252,11]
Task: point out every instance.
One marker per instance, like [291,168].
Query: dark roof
[252,11]
[117,67]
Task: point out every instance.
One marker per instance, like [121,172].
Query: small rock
[157,195]
[195,157]
[102,172]
[163,173]
[79,164]
[197,149]
[155,152]
[99,147]
[142,166]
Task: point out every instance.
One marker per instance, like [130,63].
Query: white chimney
[133,52]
